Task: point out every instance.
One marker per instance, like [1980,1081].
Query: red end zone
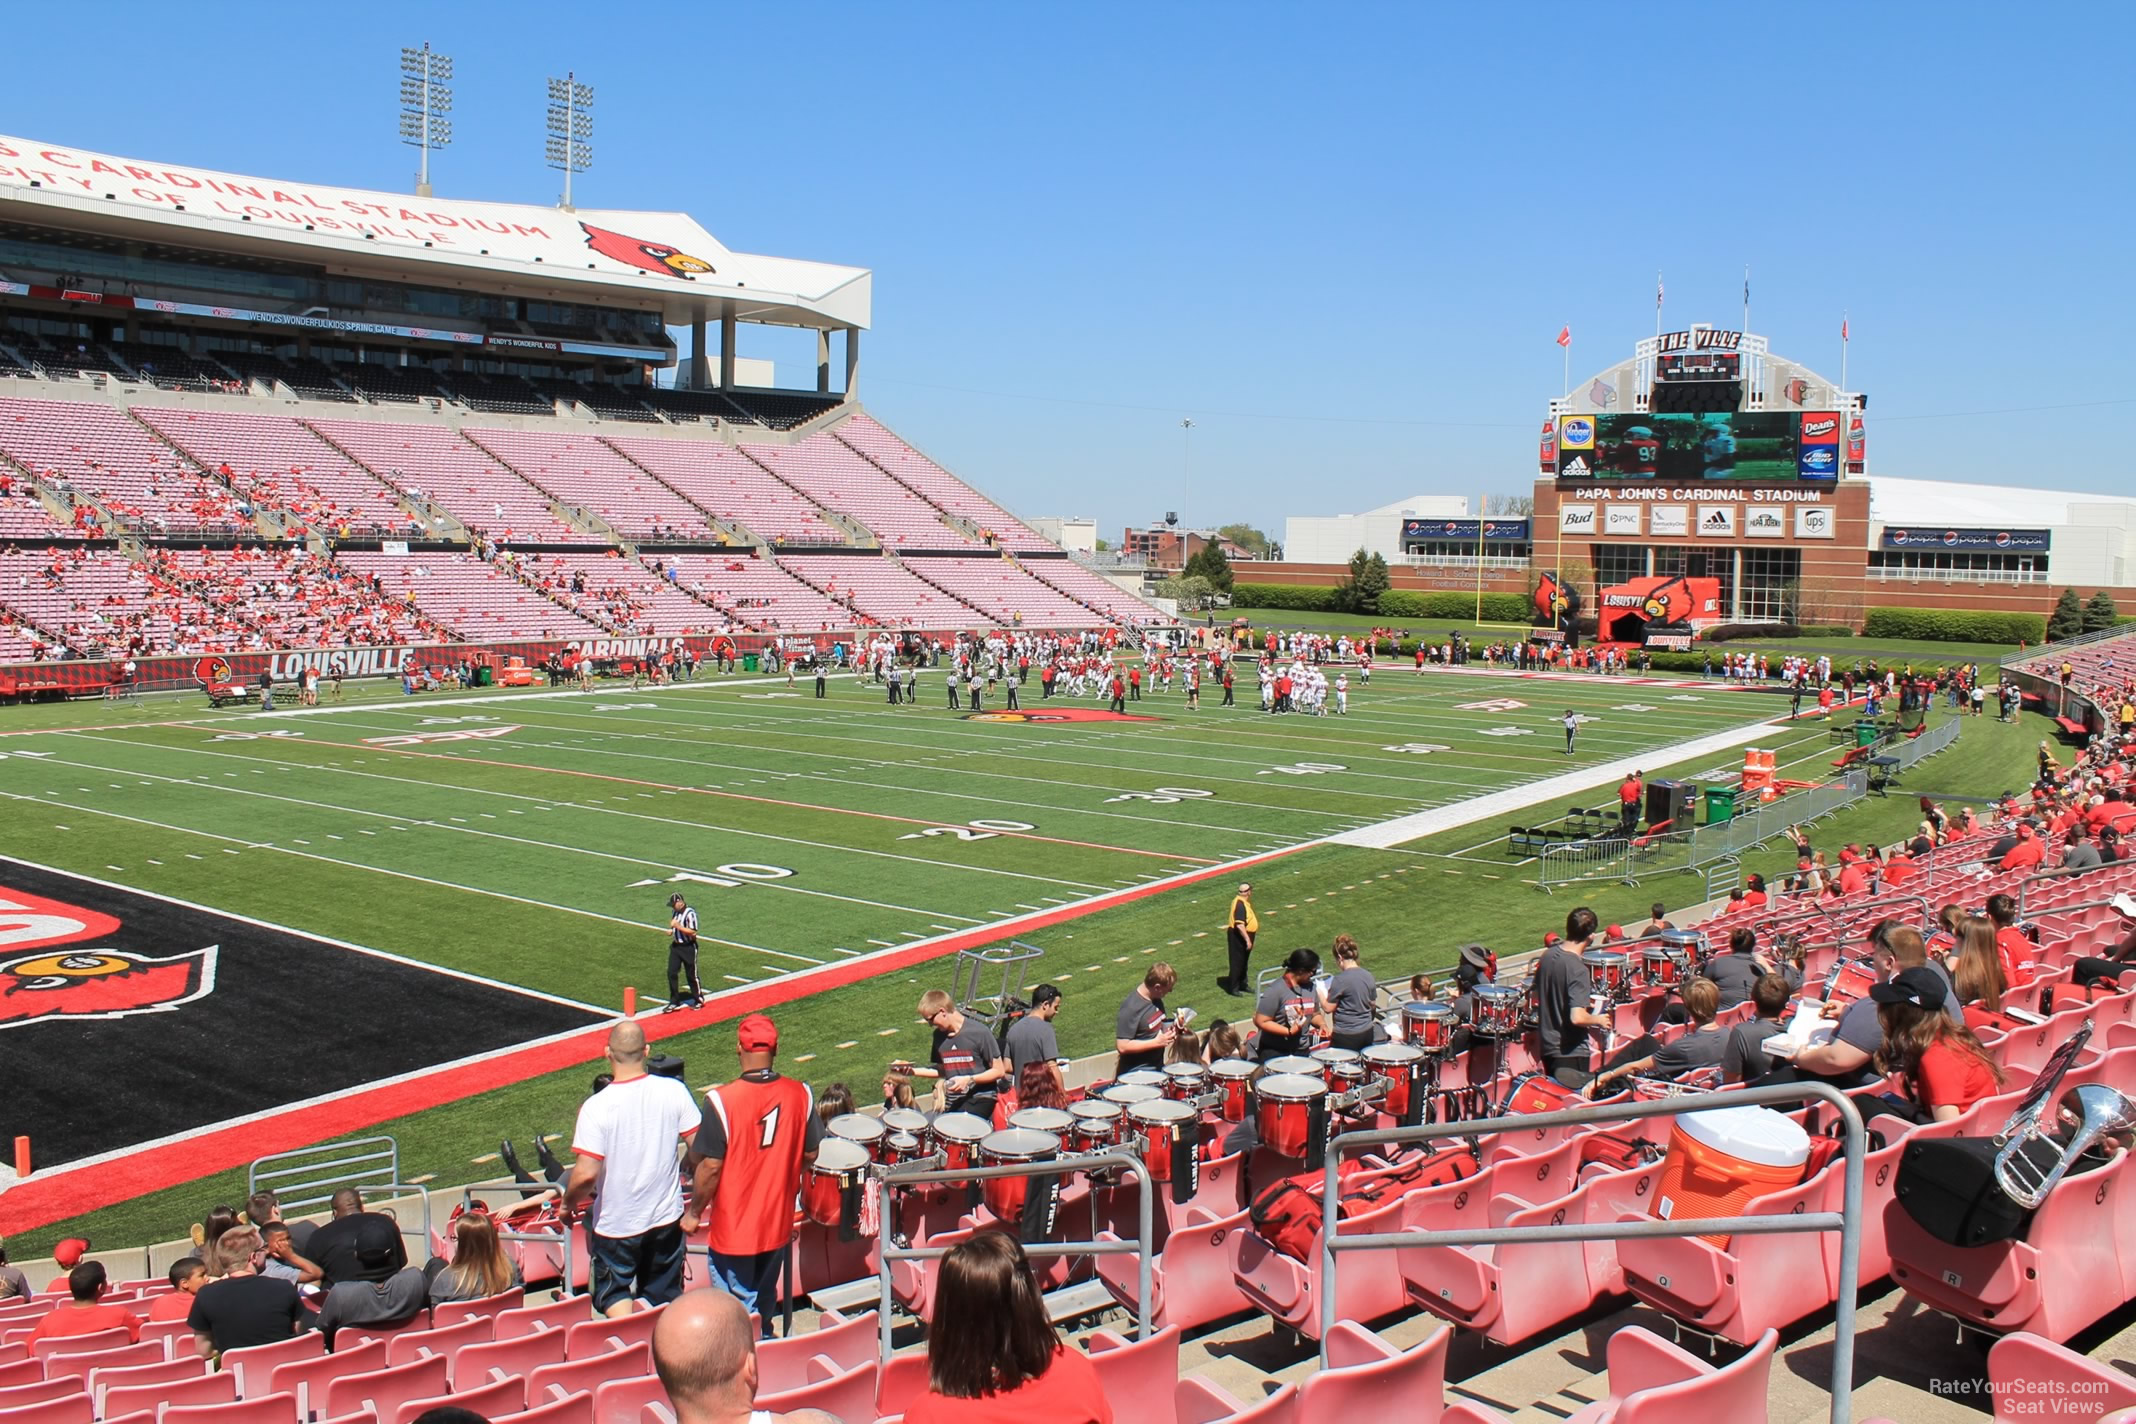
[80,1187]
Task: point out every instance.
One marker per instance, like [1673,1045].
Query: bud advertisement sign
[1712,448]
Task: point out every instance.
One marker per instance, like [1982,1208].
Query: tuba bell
[2036,1149]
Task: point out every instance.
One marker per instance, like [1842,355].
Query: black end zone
[125,1018]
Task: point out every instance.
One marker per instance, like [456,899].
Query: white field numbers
[970,831]
[724,877]
[1304,768]
[1417,748]
[1163,795]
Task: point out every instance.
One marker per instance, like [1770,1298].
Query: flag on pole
[1565,336]
[1657,291]
[1843,330]
[1746,286]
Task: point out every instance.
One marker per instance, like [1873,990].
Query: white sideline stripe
[1389,834]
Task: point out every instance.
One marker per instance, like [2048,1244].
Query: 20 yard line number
[970,831]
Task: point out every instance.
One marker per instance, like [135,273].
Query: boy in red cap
[758,1136]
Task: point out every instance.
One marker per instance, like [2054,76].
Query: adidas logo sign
[1716,520]
[1577,470]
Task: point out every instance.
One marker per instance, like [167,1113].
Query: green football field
[804,830]
[534,839]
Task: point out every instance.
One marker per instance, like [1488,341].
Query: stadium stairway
[728,530]
[438,523]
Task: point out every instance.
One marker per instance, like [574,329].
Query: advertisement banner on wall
[1814,522]
[1764,521]
[1669,521]
[1710,448]
[1466,530]
[1716,521]
[2026,541]
[1621,519]
[1576,519]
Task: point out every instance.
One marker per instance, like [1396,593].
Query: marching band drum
[957,1137]
[1608,971]
[1097,1124]
[831,1190]
[1501,1010]
[1429,1027]
[1184,1082]
[1285,1105]
[1233,1078]
[1013,1145]
[1162,1125]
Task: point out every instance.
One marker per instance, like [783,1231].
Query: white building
[1964,533]
[1333,538]
[1075,534]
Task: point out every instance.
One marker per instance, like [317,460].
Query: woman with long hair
[1976,965]
[1223,1040]
[207,1233]
[1945,1068]
[1351,1000]
[1039,1086]
[479,1267]
[897,1088]
[991,1352]
[835,1101]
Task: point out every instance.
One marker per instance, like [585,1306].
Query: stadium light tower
[426,98]
[570,126]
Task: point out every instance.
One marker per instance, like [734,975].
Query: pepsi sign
[2014,540]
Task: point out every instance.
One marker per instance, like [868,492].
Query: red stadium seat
[267,1409]
[1366,1378]
[454,1311]
[307,1378]
[559,1314]
[93,1342]
[573,1409]
[783,1364]
[2026,1371]
[384,1391]
[1754,1284]
[847,1394]
[1653,1382]
[520,1355]
[38,1391]
[505,1396]
[1197,1401]
[253,1363]
[58,1409]
[589,1372]
[598,1337]
[1193,1281]
[185,1367]
[622,1401]
[447,1340]
[200,1389]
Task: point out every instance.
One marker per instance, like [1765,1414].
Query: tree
[1509,506]
[2100,612]
[1360,590]
[1252,540]
[2067,620]
[1210,563]
[1104,546]
[1191,591]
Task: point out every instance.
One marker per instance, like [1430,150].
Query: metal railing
[1627,858]
[2051,650]
[561,1239]
[1847,1221]
[309,1176]
[919,1174]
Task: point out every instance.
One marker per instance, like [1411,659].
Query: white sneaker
[2124,906]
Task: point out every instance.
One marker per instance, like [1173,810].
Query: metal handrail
[918,1175]
[1847,1221]
[563,1236]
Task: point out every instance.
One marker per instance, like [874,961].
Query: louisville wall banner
[126,1017]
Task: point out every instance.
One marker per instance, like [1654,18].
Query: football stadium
[481,756]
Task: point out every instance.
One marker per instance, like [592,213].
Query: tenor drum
[1011,1146]
[910,1121]
[1233,1078]
[899,1148]
[1607,970]
[1284,1107]
[1690,946]
[957,1135]
[1144,1078]
[1161,1125]
[1097,1124]
[1295,1063]
[1501,1010]
[1183,1082]
[1399,1065]
[1429,1028]
[834,1179]
[1126,1095]
[1341,1067]
[1662,966]
[860,1128]
[1054,1120]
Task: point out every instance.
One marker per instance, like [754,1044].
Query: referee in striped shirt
[682,955]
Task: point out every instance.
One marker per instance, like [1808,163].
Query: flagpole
[1746,296]
[1568,368]
[1658,289]
[1843,349]
[1482,502]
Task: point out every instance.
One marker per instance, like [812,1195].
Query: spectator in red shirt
[992,1355]
[187,1277]
[2026,854]
[1945,1068]
[1629,791]
[1754,896]
[2019,954]
[83,1314]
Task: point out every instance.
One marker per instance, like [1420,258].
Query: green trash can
[485,676]
[1720,804]
[749,662]
[1866,733]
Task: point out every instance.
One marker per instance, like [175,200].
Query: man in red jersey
[758,1136]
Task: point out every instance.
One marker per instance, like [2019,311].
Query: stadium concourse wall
[88,677]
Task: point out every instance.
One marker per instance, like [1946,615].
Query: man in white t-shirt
[626,1143]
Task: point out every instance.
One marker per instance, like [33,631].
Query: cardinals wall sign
[656,257]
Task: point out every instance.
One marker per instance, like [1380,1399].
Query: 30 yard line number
[1162,796]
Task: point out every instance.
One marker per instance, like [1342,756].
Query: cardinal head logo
[655,257]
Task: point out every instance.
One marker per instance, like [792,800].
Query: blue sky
[1340,239]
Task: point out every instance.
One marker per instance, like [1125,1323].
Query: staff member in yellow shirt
[1239,929]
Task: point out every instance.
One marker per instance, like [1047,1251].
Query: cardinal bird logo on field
[655,257]
[211,670]
[49,982]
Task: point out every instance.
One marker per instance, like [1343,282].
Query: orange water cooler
[1722,1158]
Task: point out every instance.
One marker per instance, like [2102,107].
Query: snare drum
[840,1167]
[910,1121]
[1690,947]
[899,1148]
[1233,1078]
[1053,1120]
[1184,1082]
[1097,1124]
[956,1135]
[1607,970]
[1014,1145]
[1398,1064]
[1430,1027]
[1284,1107]
[1160,1125]
[1500,1010]
[1295,1063]
[1661,966]
[1126,1095]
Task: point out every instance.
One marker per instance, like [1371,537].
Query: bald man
[706,1355]
[626,1142]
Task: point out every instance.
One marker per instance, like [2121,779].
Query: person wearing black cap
[1945,1068]
[682,955]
